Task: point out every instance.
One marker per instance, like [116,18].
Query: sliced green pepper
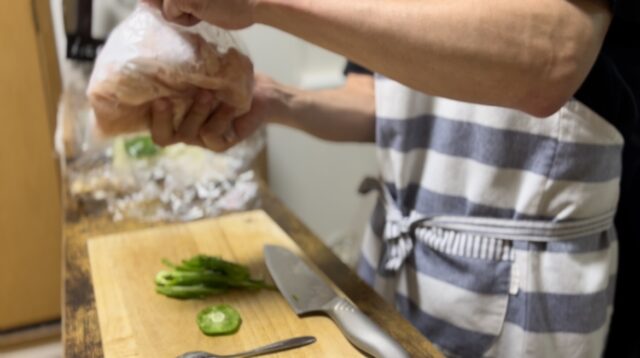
[194,291]
[219,320]
[140,147]
[201,276]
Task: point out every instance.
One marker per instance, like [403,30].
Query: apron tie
[398,236]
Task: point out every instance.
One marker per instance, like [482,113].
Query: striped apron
[493,232]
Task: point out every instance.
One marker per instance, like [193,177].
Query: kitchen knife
[307,292]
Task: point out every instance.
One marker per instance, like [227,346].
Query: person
[506,131]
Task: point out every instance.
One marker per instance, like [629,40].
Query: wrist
[280,100]
[266,11]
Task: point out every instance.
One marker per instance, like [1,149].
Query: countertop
[81,332]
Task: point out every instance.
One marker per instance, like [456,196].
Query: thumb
[246,125]
[182,12]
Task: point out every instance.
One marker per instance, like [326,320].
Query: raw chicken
[146,58]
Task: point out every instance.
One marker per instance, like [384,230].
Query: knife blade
[307,292]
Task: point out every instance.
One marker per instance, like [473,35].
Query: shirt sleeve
[626,10]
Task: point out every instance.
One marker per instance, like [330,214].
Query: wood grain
[48,59]
[30,206]
[137,322]
[81,333]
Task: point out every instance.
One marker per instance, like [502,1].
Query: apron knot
[398,237]
[398,242]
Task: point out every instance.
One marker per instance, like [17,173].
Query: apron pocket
[455,289]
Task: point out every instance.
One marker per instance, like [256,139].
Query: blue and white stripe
[508,217]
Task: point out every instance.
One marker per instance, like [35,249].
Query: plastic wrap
[176,183]
[126,176]
[146,58]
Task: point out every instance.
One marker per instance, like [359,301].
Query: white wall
[318,180]
[58,29]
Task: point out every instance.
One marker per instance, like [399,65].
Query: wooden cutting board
[137,322]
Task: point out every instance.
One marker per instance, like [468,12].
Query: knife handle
[362,332]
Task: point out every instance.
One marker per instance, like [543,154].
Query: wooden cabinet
[30,205]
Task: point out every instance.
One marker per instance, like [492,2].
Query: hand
[228,14]
[212,125]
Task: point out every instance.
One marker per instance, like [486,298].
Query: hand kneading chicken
[146,58]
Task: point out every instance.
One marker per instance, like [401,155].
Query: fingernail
[205,97]
[160,105]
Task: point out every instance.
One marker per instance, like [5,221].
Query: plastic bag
[125,176]
[132,179]
[129,178]
[146,58]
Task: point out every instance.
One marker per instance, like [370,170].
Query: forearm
[344,114]
[530,55]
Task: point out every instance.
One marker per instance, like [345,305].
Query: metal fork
[270,348]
